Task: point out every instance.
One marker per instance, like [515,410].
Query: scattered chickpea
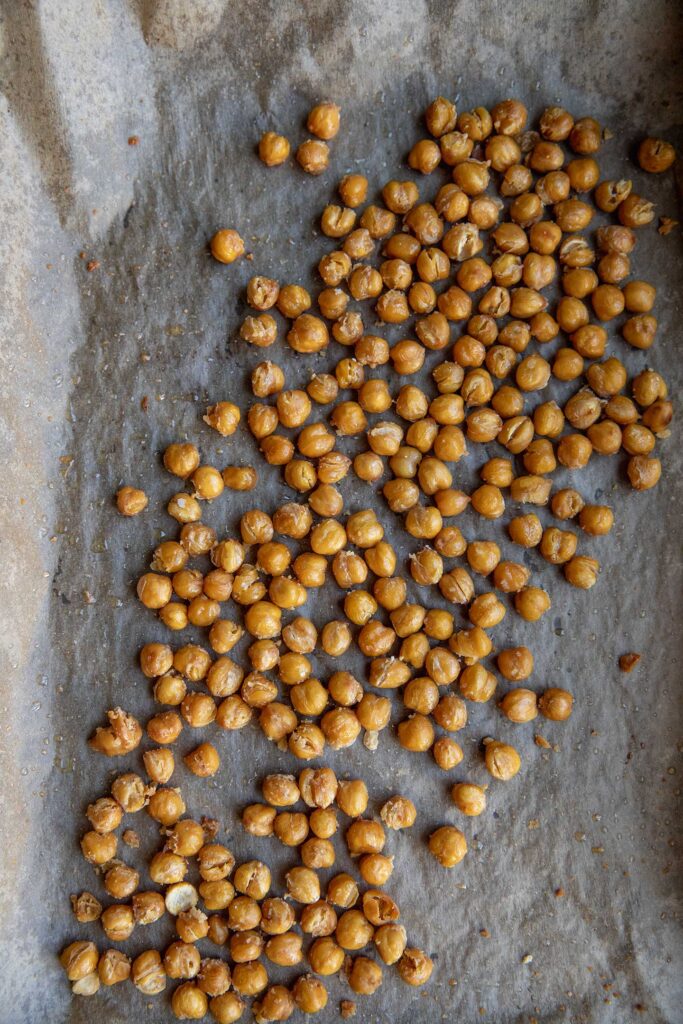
[226,246]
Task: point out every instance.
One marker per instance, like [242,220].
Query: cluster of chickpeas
[313,155]
[239,910]
[498,270]
[312,831]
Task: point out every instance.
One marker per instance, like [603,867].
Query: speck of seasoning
[527,958]
[559,892]
[597,849]
[144,403]
[627,662]
[133,140]
[89,598]
[145,357]
[580,837]
[540,741]
[533,823]
[347,1008]
[485,933]
[92,265]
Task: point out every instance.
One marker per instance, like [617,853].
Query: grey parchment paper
[198,81]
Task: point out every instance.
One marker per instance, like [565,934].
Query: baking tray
[156,320]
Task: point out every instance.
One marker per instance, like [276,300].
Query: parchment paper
[198,82]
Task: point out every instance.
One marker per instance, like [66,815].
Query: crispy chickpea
[249,979]
[596,520]
[415,733]
[582,571]
[447,753]
[635,211]
[325,956]
[323,120]
[658,416]
[313,156]
[425,156]
[502,761]
[655,155]
[448,845]
[643,472]
[519,705]
[477,684]
[469,798]
[639,331]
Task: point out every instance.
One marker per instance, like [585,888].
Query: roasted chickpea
[556,704]
[469,798]
[655,155]
[502,761]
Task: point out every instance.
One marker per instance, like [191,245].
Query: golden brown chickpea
[273,149]
[415,733]
[519,705]
[448,845]
[227,1008]
[556,704]
[582,571]
[203,761]
[574,451]
[556,123]
[447,753]
[249,978]
[313,156]
[557,546]
[658,416]
[531,603]
[502,761]
[635,211]
[605,437]
[469,798]
[655,155]
[568,364]
[643,472]
[639,331]
[477,684]
[425,156]
[516,663]
[325,956]
[585,136]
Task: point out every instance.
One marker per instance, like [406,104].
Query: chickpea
[643,472]
[425,156]
[469,798]
[556,705]
[574,451]
[249,978]
[635,211]
[582,571]
[448,845]
[416,733]
[447,753]
[313,156]
[531,603]
[639,331]
[451,713]
[655,155]
[658,416]
[477,684]
[502,760]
